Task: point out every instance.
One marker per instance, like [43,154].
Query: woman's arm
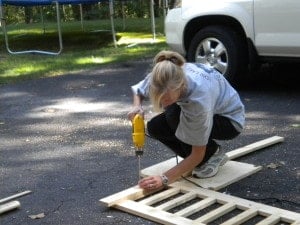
[137,107]
[185,166]
[188,164]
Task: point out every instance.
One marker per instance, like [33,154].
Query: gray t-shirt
[208,93]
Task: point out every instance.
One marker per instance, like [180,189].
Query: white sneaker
[211,167]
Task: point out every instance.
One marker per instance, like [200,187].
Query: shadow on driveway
[68,140]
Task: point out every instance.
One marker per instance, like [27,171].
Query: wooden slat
[285,215]
[254,146]
[242,217]
[196,207]
[270,220]
[12,197]
[241,203]
[211,216]
[127,200]
[160,196]
[177,201]
[132,193]
[161,216]
[153,214]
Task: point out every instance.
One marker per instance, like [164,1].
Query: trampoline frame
[42,3]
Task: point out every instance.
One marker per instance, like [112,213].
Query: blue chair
[42,3]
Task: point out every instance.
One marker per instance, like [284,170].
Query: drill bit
[139,168]
[139,153]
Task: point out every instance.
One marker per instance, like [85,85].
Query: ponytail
[167,74]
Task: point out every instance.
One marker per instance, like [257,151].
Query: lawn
[82,49]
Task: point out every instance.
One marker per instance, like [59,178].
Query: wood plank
[177,201]
[270,220]
[8,206]
[242,217]
[286,215]
[213,215]
[153,214]
[196,207]
[166,165]
[160,196]
[224,177]
[128,200]
[295,223]
[3,200]
[132,193]
[254,146]
[161,167]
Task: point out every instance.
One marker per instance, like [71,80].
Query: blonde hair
[167,74]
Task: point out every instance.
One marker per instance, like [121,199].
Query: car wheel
[220,48]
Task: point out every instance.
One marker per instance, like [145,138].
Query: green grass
[83,49]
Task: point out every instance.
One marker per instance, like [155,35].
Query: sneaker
[211,167]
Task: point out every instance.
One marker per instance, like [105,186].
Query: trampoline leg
[3,25]
[111,12]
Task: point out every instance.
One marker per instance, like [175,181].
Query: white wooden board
[193,199]
[188,202]
[231,172]
[225,175]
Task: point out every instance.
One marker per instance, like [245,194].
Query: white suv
[234,35]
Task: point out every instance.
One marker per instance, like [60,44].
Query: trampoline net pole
[152,19]
[59,29]
[111,13]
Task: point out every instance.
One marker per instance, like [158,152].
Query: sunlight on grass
[93,59]
[24,69]
[138,38]
[23,32]
[81,50]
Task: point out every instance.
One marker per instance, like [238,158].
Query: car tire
[221,48]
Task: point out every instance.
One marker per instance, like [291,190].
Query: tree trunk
[28,14]
[76,12]
[156,8]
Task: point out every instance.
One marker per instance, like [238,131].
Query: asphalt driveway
[67,139]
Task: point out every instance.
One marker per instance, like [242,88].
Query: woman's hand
[135,110]
[151,183]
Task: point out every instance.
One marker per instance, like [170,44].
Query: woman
[198,106]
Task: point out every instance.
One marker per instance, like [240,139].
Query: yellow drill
[138,137]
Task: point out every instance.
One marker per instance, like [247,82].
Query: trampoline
[57,3]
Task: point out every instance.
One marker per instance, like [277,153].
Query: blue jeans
[163,127]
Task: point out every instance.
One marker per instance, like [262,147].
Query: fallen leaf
[273,166]
[37,216]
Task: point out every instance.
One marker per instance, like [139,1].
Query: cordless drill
[138,137]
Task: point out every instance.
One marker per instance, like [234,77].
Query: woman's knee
[172,116]
[154,126]
[165,124]
[151,129]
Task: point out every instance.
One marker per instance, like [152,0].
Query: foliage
[86,49]
[32,14]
